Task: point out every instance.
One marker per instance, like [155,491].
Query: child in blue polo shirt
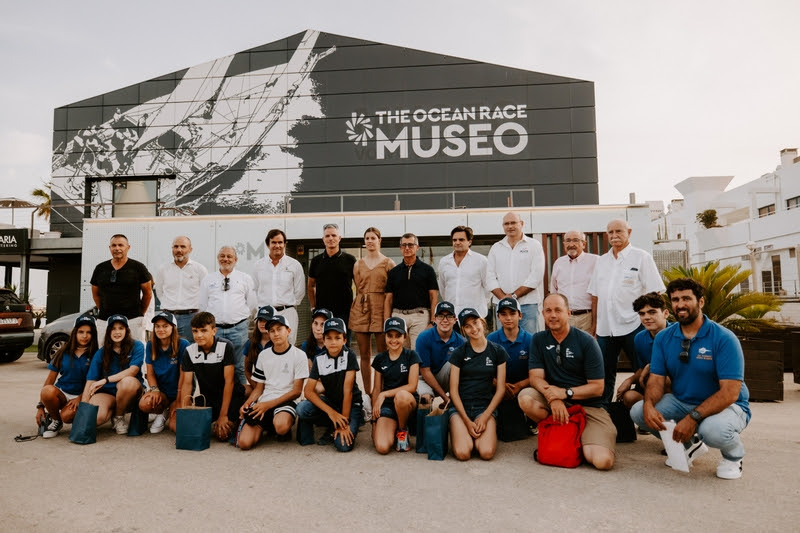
[114,381]
[394,389]
[70,365]
[163,358]
[257,343]
[339,409]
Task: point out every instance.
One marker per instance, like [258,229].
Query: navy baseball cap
[324,313]
[266,313]
[85,320]
[165,315]
[394,323]
[334,324]
[122,319]
[466,313]
[280,319]
[508,303]
[445,307]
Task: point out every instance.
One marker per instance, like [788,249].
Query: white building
[758,225]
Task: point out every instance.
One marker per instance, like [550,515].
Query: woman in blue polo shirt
[70,365]
[163,359]
[474,398]
[114,380]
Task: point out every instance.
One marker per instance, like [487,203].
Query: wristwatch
[696,416]
[570,393]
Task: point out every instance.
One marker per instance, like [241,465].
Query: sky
[681,88]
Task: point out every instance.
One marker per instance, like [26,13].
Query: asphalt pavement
[144,484]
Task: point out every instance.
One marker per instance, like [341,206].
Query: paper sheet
[675,450]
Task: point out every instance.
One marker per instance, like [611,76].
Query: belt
[227,326]
[282,307]
[409,311]
[581,312]
[182,311]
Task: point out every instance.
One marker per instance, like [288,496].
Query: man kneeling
[566,368]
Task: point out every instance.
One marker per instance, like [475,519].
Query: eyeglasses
[445,317]
[572,240]
[226,284]
[113,276]
[408,245]
[558,354]
[684,355]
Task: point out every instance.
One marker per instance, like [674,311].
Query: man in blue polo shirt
[709,398]
[434,347]
[511,423]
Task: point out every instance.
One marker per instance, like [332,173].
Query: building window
[766,211]
[793,203]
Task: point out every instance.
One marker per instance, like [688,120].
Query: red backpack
[560,444]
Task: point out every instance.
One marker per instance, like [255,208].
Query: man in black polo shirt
[330,276]
[412,290]
[121,286]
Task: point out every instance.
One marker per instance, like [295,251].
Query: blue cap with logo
[85,320]
[265,313]
[445,307]
[277,319]
[165,315]
[334,324]
[324,313]
[394,323]
[508,303]
[465,314]
[113,319]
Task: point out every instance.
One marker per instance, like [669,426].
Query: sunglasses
[684,355]
[226,284]
[113,276]
[558,355]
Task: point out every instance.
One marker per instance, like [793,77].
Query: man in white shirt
[571,276]
[516,270]
[229,295]
[621,275]
[280,281]
[462,274]
[177,284]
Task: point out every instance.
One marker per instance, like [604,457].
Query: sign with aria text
[13,241]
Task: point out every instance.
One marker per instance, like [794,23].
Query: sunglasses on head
[684,355]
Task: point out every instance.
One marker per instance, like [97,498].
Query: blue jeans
[721,430]
[185,326]
[238,336]
[530,318]
[610,347]
[309,415]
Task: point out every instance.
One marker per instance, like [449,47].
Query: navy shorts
[473,411]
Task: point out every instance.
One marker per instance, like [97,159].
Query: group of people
[432,339]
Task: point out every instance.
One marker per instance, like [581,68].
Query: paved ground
[144,484]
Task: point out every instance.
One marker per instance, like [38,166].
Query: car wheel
[53,345]
[9,356]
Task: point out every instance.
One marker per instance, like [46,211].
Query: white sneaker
[727,469]
[159,422]
[52,429]
[119,424]
[367,407]
[695,451]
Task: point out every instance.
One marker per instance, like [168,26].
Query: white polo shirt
[509,268]
[617,282]
[464,285]
[179,288]
[571,278]
[281,284]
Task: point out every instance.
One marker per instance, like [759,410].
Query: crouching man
[705,363]
[566,368]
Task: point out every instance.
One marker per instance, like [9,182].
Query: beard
[690,317]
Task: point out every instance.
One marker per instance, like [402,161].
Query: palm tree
[43,195]
[741,312]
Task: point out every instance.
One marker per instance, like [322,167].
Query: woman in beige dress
[366,313]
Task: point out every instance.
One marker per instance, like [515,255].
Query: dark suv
[16,326]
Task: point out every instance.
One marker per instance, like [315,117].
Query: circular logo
[359,129]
